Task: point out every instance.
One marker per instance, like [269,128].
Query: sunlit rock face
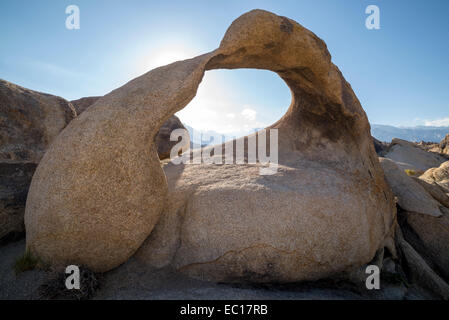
[408,155]
[162,140]
[100,191]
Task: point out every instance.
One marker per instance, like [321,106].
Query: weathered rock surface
[418,267]
[411,195]
[100,190]
[430,237]
[439,175]
[29,121]
[435,190]
[163,143]
[83,103]
[408,155]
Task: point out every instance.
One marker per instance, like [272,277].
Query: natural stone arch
[99,190]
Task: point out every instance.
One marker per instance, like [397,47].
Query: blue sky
[399,73]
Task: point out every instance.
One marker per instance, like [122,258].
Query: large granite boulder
[29,122]
[162,140]
[99,191]
[409,155]
[411,195]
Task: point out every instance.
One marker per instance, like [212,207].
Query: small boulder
[438,175]
[380,147]
[442,147]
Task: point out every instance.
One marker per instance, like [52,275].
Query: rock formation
[163,143]
[99,191]
[444,145]
[83,103]
[424,220]
[439,175]
[411,195]
[437,191]
[380,147]
[408,155]
[29,121]
[441,148]
[419,270]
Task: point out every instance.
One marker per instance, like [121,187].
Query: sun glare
[230,102]
[166,55]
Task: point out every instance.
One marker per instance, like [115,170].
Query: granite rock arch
[99,190]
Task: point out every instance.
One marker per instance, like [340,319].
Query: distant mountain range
[419,133]
[205,138]
[379,131]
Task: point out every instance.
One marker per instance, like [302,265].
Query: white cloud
[249,114]
[443,122]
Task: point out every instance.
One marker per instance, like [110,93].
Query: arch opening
[234,103]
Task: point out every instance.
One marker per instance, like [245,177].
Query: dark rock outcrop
[29,121]
[380,147]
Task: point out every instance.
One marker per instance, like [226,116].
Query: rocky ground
[135,281]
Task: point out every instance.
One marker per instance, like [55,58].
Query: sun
[166,55]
